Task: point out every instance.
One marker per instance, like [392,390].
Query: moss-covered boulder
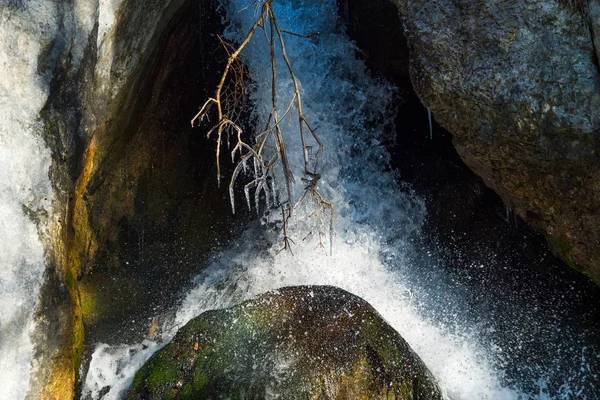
[307,342]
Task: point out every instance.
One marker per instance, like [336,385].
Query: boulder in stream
[294,343]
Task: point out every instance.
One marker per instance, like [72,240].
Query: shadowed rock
[294,343]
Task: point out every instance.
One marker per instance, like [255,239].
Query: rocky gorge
[133,227]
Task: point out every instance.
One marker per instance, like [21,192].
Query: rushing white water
[24,183]
[375,218]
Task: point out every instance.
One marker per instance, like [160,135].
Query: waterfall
[25,189]
[376,220]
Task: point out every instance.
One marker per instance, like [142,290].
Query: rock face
[517,83]
[294,343]
[132,180]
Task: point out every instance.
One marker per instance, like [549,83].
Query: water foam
[375,217]
[24,183]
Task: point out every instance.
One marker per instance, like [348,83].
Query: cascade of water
[25,186]
[375,217]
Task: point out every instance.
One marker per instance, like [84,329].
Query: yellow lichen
[79,245]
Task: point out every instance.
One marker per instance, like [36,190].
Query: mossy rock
[307,342]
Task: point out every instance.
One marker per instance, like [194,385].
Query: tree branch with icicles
[267,149]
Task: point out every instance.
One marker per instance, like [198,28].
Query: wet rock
[297,342]
[518,86]
[136,191]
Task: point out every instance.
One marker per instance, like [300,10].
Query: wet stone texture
[304,342]
[136,185]
[517,84]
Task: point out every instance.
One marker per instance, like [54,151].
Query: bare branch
[269,144]
[308,36]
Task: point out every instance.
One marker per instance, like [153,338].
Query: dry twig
[269,145]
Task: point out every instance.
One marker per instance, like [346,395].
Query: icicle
[244,165]
[346,12]
[430,124]
[274,191]
[247,193]
[511,218]
[257,198]
[265,187]
[232,199]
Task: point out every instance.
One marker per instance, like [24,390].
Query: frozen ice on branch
[267,149]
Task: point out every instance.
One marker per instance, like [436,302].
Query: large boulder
[518,85]
[302,342]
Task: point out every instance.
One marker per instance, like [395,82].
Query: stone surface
[302,342]
[132,180]
[517,84]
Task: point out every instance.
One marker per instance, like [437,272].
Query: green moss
[563,249]
[89,306]
[187,391]
[51,127]
[104,297]
[50,124]
[233,353]
[77,342]
[70,281]
[200,377]
[559,245]
[164,373]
